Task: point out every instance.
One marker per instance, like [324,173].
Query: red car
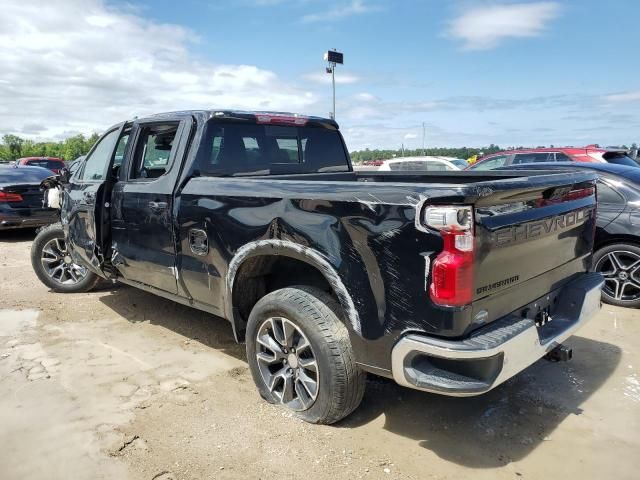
[590,153]
[50,163]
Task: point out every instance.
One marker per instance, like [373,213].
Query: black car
[617,243]
[21,198]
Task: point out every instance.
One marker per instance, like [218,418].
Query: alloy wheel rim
[58,264]
[621,272]
[287,363]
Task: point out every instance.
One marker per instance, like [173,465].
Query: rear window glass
[418,165]
[23,174]
[520,158]
[236,149]
[619,158]
[46,163]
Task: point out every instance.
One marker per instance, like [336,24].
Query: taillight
[10,197]
[282,119]
[452,270]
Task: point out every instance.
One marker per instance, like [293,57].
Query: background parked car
[21,198]
[589,154]
[50,163]
[442,164]
[617,243]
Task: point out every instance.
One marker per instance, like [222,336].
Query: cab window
[95,165]
[154,149]
[236,149]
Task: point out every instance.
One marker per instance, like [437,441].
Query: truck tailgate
[532,239]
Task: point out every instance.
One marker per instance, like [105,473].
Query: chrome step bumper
[497,352]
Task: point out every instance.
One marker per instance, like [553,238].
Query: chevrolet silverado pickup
[446,282]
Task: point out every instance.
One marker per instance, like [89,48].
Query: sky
[475,72]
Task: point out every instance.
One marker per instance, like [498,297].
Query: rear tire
[620,265]
[48,253]
[323,382]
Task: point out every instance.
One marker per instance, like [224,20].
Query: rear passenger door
[143,243]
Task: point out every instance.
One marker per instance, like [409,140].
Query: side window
[95,165]
[121,148]
[562,157]
[437,167]
[521,158]
[154,147]
[607,194]
[491,163]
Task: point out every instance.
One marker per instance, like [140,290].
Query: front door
[84,199]
[143,244]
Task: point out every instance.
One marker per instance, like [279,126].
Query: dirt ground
[120,384]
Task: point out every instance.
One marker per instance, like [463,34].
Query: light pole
[334,58]
[424,153]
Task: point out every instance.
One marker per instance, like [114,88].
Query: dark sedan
[21,198]
[617,245]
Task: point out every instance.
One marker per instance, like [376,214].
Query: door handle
[156,206]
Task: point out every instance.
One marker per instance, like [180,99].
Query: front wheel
[300,355]
[53,265]
[620,266]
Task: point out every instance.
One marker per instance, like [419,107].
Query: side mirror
[65,175]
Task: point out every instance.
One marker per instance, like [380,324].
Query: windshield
[462,164]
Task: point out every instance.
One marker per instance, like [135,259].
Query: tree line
[366,155]
[14,147]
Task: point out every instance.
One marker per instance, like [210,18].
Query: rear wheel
[620,266]
[300,355]
[52,263]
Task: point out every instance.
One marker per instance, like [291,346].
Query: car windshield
[460,163]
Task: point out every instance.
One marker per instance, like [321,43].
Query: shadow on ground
[502,426]
[139,306]
[488,431]
[17,235]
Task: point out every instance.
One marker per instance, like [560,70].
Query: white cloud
[410,136]
[624,97]
[340,11]
[325,78]
[484,27]
[77,65]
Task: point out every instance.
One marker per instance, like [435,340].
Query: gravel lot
[121,384]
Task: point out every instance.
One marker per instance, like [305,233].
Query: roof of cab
[251,116]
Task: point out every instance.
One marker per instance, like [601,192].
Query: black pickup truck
[447,282]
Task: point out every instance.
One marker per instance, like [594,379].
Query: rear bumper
[24,218]
[496,352]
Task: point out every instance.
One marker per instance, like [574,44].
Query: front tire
[620,266]
[52,263]
[300,355]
